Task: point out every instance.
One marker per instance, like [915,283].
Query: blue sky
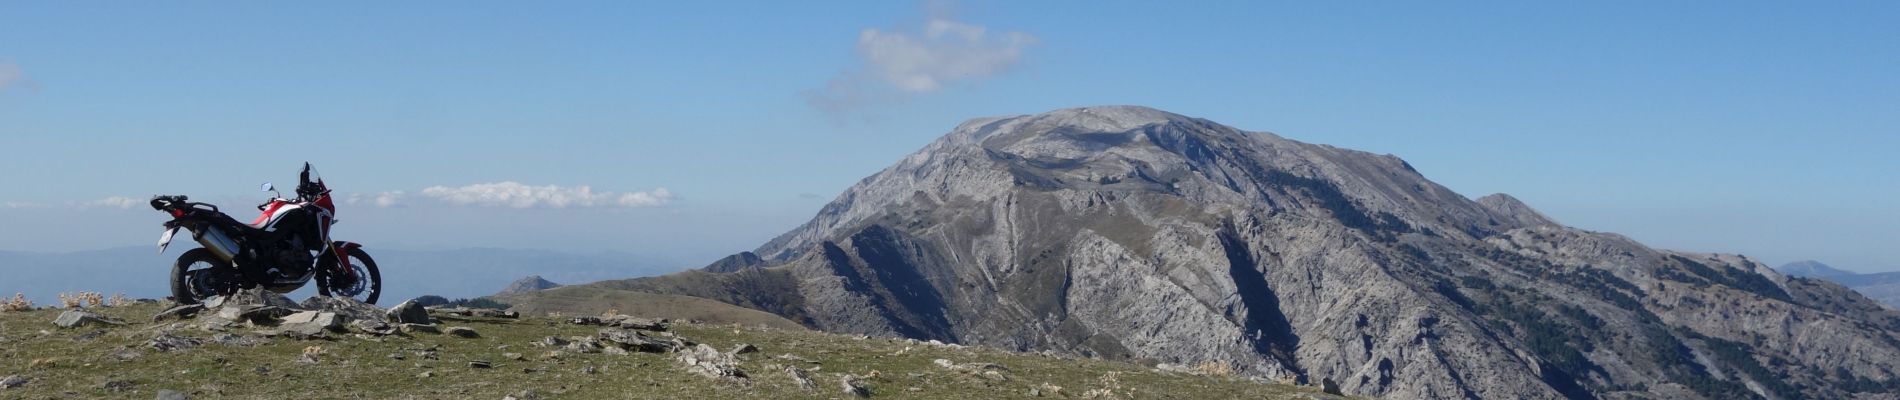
[1762,128]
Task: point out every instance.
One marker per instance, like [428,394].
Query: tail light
[177,213]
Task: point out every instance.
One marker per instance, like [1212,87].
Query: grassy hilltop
[120,361]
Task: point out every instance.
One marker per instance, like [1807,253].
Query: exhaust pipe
[219,243]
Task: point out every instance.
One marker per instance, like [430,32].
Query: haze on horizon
[689,131]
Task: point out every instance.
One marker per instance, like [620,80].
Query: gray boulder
[169,342]
[634,340]
[168,394]
[410,312]
[79,318]
[462,332]
[179,312]
[348,308]
[419,328]
[850,385]
[709,362]
[798,376]
[12,381]
[311,323]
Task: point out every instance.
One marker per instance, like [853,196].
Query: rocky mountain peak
[527,284]
[1514,211]
[1133,233]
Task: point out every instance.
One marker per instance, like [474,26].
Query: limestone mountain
[1882,286]
[531,283]
[1133,233]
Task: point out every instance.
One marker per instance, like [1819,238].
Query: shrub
[19,303]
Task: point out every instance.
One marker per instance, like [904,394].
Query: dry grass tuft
[19,303]
[1214,368]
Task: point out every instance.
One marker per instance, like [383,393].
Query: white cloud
[384,199]
[517,195]
[922,59]
[10,74]
[16,204]
[119,202]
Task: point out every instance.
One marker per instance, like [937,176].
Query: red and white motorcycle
[286,247]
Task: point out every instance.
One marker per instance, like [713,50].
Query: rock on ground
[409,312]
[709,362]
[78,318]
[12,381]
[167,394]
[851,387]
[463,332]
[799,377]
[634,340]
[346,307]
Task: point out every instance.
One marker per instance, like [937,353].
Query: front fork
[342,251]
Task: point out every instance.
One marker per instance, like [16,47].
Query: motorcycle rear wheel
[365,268]
[184,289]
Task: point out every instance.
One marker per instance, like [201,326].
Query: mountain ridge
[1128,232]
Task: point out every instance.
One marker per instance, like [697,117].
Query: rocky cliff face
[1128,232]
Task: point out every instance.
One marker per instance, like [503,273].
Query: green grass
[61,366]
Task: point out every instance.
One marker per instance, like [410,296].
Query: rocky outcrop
[1128,232]
[1514,212]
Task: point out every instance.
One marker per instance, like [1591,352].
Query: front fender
[342,249]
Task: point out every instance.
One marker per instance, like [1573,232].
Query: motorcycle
[286,247]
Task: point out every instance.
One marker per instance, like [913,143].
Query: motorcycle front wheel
[198,275]
[362,281]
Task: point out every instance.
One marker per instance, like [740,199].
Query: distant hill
[530,283]
[471,272]
[1882,286]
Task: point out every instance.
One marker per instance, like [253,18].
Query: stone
[179,312]
[227,339]
[251,312]
[168,394]
[426,374]
[12,381]
[744,348]
[584,345]
[409,312]
[463,332]
[480,364]
[551,341]
[374,327]
[78,318]
[798,376]
[645,324]
[420,328]
[850,386]
[117,385]
[634,340]
[311,323]
[349,308]
[1327,386]
[514,356]
[524,395]
[585,321]
[709,362]
[167,342]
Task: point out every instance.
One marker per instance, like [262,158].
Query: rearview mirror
[266,187]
